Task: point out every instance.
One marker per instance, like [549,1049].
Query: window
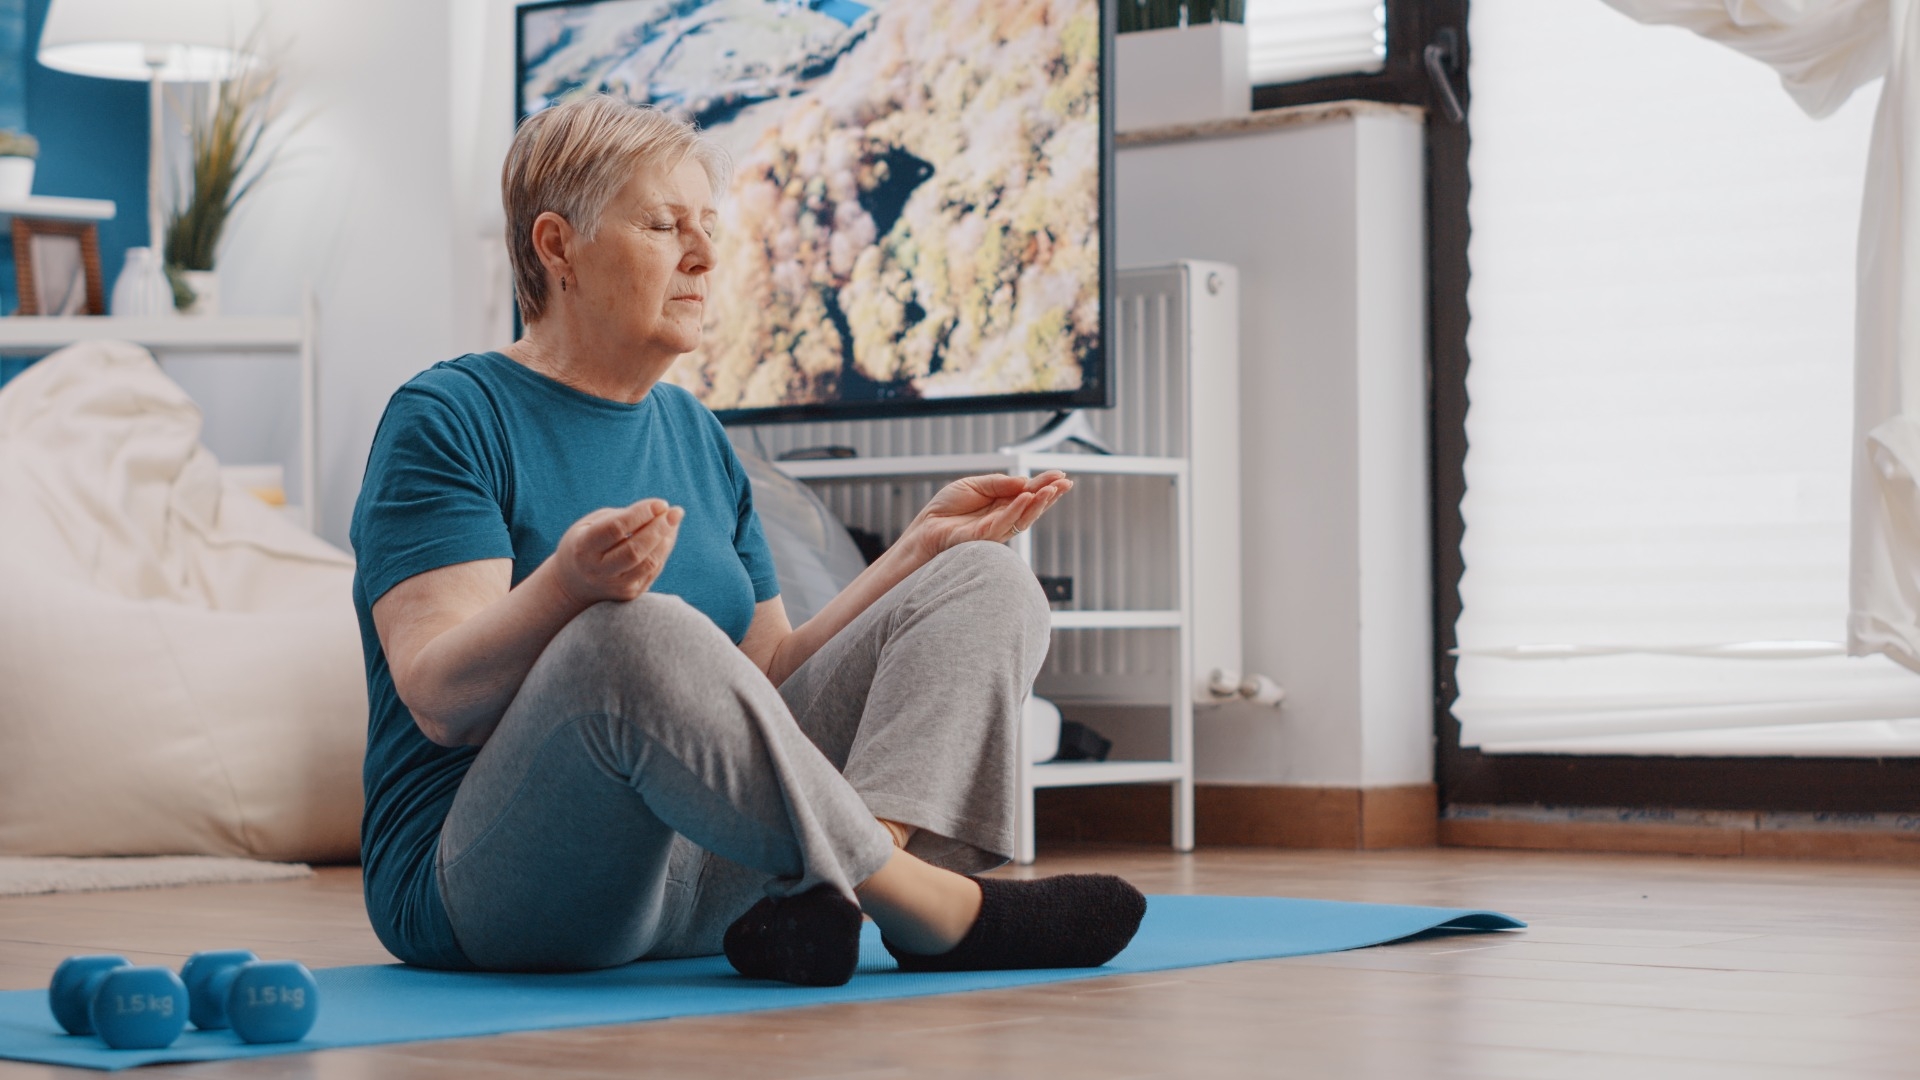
[1290,40]
[1303,51]
[1658,445]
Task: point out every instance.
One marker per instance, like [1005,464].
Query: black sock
[1074,920]
[812,939]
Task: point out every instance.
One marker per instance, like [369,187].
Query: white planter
[206,292]
[16,178]
[1183,75]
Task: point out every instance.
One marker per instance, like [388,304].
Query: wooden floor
[1635,968]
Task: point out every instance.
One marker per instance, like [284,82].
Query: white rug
[22,876]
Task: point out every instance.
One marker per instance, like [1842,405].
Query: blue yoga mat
[361,1006]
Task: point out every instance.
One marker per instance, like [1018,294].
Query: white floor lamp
[155,41]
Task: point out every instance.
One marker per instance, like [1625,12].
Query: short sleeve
[433,494]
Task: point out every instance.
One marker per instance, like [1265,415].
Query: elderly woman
[594,735]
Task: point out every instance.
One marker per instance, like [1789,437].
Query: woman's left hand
[996,508]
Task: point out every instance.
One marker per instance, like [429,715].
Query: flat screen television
[918,220]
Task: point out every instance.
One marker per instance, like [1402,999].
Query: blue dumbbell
[71,991]
[131,1008]
[272,1001]
[208,976]
[139,1008]
[262,1001]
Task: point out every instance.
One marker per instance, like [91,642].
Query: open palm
[993,508]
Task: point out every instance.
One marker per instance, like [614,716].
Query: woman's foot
[1073,920]
[812,939]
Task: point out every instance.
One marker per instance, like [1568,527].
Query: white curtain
[1824,50]
[1658,463]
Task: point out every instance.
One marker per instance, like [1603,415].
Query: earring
[563,284]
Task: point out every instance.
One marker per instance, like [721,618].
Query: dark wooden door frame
[1465,775]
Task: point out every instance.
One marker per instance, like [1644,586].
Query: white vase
[16,178]
[1181,75]
[205,285]
[142,288]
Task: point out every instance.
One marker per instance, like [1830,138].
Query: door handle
[1443,57]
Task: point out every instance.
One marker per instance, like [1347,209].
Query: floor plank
[1644,966]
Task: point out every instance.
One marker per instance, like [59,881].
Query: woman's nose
[699,256]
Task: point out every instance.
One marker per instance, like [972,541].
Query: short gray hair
[572,158]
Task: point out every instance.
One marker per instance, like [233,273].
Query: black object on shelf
[1059,590]
[1078,742]
[870,545]
[818,453]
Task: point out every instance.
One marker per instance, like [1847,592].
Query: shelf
[965,464]
[1085,773]
[52,206]
[1116,620]
[43,333]
[1176,472]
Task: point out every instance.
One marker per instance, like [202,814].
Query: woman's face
[644,275]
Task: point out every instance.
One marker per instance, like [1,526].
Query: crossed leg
[648,783]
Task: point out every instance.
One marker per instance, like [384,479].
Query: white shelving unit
[1178,769]
[33,335]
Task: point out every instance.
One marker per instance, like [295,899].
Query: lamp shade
[188,40]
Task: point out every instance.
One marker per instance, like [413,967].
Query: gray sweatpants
[648,783]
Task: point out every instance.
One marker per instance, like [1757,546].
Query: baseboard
[1728,839]
[1246,815]
[1407,816]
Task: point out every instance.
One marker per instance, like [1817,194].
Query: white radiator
[1176,393]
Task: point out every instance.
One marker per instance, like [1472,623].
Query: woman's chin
[670,341]
[683,339]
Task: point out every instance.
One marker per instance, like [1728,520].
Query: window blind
[1289,40]
[1659,432]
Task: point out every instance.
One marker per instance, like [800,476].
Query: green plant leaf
[18,144]
[231,152]
[183,294]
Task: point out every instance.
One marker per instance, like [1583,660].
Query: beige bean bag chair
[180,667]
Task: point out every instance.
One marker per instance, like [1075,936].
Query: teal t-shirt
[482,458]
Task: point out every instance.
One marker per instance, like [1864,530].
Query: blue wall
[13,69]
[93,140]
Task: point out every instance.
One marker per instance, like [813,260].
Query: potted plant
[17,151]
[228,158]
[1180,62]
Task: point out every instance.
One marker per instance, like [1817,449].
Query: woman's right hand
[616,553]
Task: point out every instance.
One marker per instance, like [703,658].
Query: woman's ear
[554,241]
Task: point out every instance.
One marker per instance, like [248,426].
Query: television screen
[917,216]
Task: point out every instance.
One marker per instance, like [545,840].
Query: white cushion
[180,668]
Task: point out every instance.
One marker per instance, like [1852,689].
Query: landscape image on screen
[915,208]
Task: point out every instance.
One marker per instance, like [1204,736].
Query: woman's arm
[976,508]
[459,642]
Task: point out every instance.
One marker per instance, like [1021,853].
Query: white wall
[357,209]
[1326,223]
[481,88]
